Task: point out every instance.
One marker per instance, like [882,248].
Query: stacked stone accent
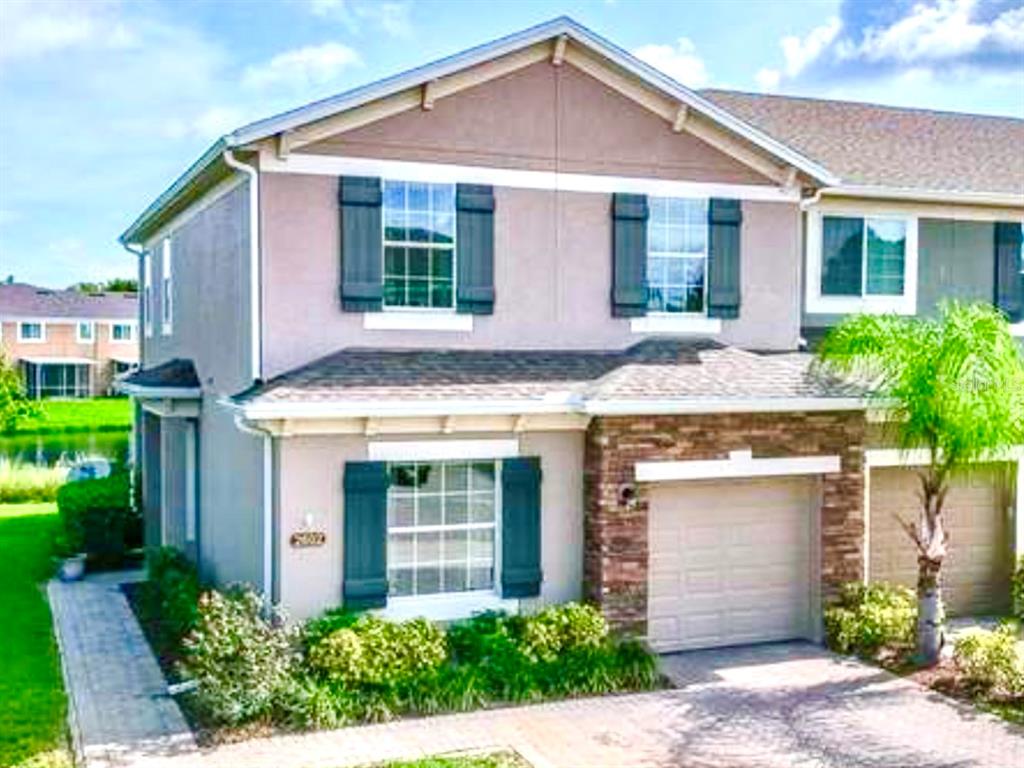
[616,523]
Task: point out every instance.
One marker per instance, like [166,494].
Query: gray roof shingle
[23,300]
[178,373]
[873,145]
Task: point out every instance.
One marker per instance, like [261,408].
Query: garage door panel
[976,572]
[742,555]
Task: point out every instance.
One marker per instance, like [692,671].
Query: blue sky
[103,103]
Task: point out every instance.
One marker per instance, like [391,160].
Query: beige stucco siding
[310,492]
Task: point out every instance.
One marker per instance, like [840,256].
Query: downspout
[254,260]
[805,204]
[132,453]
[268,503]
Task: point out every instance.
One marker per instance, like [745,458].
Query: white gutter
[161,393]
[1009,200]
[268,504]
[255,350]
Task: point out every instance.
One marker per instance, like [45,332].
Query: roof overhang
[57,360]
[1001,199]
[559,30]
[142,392]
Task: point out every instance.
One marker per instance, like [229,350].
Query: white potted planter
[72,568]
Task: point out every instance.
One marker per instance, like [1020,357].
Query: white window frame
[166,291]
[817,304]
[147,293]
[22,339]
[127,340]
[78,332]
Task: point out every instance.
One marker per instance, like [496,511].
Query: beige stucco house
[68,343]
[529,324]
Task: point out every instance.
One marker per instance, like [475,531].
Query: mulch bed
[946,678]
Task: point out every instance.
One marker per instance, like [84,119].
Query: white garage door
[977,571]
[730,562]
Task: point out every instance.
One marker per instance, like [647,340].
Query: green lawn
[32,703]
[496,760]
[98,414]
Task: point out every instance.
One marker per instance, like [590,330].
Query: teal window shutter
[1009,270]
[842,256]
[365,583]
[725,218]
[362,242]
[629,255]
[520,527]
[474,243]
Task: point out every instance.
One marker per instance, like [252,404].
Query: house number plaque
[305,539]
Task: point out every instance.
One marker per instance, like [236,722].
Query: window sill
[869,305]
[417,320]
[457,605]
[665,323]
[1017,329]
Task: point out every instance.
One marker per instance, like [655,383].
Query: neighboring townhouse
[68,343]
[527,325]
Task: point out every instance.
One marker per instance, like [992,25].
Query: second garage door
[976,574]
[730,562]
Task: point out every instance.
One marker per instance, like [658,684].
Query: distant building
[68,343]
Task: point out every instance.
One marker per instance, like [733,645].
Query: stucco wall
[311,471]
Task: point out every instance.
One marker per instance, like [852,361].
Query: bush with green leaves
[991,660]
[1018,589]
[242,656]
[562,629]
[174,591]
[97,518]
[869,619]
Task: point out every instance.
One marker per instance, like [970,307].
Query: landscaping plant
[15,404]
[1017,586]
[954,387]
[991,660]
[21,483]
[97,518]
[869,619]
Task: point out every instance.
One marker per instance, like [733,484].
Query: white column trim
[740,464]
[441,450]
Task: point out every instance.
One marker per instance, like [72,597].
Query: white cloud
[302,68]
[798,52]
[681,63]
[768,79]
[392,16]
[30,29]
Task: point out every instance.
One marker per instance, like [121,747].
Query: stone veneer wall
[615,533]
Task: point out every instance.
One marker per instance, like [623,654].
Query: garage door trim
[740,464]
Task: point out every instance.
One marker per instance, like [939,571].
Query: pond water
[47,450]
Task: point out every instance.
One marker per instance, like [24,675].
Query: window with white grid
[442,521]
[677,254]
[419,244]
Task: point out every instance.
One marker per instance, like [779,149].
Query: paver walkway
[790,705]
[117,703]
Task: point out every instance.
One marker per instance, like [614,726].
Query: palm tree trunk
[931,540]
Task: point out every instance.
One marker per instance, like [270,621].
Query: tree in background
[954,387]
[14,402]
[115,285]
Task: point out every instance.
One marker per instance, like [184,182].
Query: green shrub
[327,623]
[244,662]
[1018,588]
[562,629]
[869,619]
[991,660]
[373,651]
[21,482]
[97,518]
[174,590]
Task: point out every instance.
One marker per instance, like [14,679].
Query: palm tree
[953,386]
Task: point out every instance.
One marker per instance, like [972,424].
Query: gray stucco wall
[310,489]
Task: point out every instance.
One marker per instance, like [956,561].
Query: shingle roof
[23,300]
[868,144]
[174,374]
[684,371]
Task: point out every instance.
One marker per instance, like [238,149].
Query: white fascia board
[1004,199]
[67,320]
[918,457]
[740,464]
[723,405]
[161,393]
[400,408]
[441,450]
[333,165]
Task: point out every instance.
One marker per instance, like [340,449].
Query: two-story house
[68,343]
[528,324]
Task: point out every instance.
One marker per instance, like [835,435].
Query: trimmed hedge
[97,518]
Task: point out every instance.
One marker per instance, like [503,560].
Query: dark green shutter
[629,255]
[362,240]
[724,220]
[365,582]
[474,290]
[1009,280]
[520,527]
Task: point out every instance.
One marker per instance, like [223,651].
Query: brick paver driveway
[789,705]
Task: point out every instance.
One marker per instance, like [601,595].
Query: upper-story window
[147,293]
[419,245]
[167,294]
[85,332]
[121,332]
[31,332]
[677,255]
[861,263]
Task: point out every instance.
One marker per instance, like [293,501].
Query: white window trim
[447,606]
[78,332]
[42,332]
[740,464]
[816,303]
[417,319]
[442,450]
[131,333]
[147,293]
[166,291]
[676,323]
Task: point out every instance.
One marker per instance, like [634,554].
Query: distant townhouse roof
[688,375]
[173,378]
[18,300]
[877,146]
